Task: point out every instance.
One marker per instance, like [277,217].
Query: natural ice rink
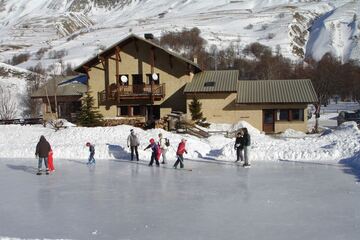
[217,200]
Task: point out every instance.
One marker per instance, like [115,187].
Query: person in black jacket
[247,143]
[239,146]
[42,152]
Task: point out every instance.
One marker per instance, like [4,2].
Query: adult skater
[42,152]
[163,147]
[180,152]
[155,152]
[133,142]
[92,153]
[247,143]
[239,146]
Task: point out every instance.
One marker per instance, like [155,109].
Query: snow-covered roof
[53,85]
[132,37]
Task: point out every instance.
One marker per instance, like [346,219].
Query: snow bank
[111,143]
[338,144]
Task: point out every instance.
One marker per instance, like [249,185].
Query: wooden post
[106,67]
[117,57]
[152,63]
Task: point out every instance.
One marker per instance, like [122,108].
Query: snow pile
[234,127]
[111,143]
[291,133]
[338,144]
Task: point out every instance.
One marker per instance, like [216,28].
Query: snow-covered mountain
[83,27]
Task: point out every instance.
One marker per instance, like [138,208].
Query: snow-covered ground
[334,144]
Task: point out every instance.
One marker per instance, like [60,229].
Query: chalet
[136,78]
[271,106]
[66,92]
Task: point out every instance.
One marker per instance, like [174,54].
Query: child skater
[155,152]
[50,161]
[92,153]
[180,152]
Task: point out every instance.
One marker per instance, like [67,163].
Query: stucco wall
[221,108]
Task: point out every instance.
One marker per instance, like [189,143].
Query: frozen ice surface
[217,200]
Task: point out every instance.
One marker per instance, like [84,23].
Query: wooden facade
[137,78]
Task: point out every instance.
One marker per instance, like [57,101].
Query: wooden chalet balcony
[156,92]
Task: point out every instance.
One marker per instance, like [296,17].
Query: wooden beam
[117,53]
[102,69]
[107,79]
[117,56]
[87,69]
[152,59]
[102,60]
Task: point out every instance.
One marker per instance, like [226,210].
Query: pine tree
[195,109]
[89,117]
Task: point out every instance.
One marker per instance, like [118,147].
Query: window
[290,115]
[155,77]
[123,111]
[297,114]
[136,110]
[209,84]
[283,115]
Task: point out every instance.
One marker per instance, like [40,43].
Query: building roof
[276,91]
[213,81]
[69,89]
[111,51]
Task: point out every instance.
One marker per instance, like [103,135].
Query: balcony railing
[154,92]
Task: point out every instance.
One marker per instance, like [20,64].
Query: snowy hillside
[337,32]
[29,25]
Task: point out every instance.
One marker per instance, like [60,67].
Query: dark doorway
[153,112]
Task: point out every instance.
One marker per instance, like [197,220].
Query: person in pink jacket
[180,152]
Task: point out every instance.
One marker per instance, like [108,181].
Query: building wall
[221,108]
[139,62]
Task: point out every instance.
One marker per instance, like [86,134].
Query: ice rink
[216,200]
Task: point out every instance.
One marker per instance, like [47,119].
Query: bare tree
[7,104]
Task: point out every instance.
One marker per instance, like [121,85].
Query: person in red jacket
[180,152]
[50,161]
